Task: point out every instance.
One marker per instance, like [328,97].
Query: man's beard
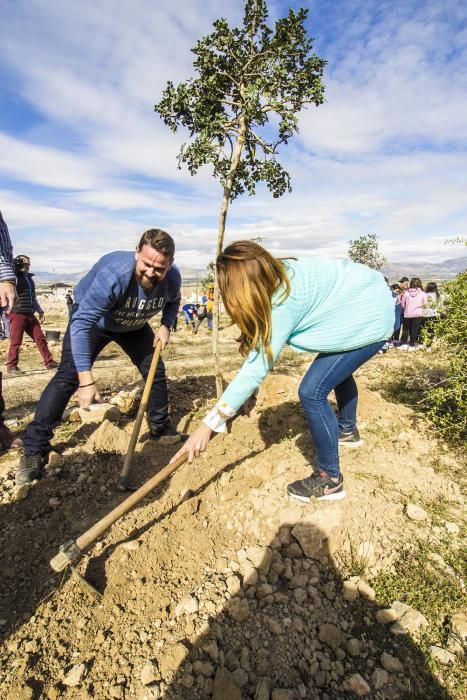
[146,282]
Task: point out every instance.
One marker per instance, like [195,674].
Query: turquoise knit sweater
[334,306]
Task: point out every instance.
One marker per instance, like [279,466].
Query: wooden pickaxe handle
[141,411]
[71,551]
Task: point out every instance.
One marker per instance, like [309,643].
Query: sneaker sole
[351,445]
[331,497]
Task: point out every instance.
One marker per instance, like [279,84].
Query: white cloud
[385,154]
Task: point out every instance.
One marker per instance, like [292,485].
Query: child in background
[412,303]
[396,292]
[431,312]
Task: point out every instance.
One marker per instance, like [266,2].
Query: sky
[86,165]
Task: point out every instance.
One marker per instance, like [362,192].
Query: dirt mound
[218,585]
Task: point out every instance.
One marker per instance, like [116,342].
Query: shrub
[447,402]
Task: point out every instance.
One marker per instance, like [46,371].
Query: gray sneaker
[29,469]
[351,439]
[320,486]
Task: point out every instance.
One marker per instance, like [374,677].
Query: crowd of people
[416,310]
[311,304]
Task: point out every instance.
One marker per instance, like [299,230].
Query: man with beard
[113,302]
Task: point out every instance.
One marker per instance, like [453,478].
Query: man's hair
[159,240]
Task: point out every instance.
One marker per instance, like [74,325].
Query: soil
[217,584]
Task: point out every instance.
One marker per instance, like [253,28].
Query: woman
[312,305]
[413,302]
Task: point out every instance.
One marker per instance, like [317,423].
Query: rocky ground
[217,585]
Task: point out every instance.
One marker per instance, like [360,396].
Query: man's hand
[42,317]
[195,444]
[163,334]
[8,295]
[88,395]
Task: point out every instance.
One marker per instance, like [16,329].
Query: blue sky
[86,165]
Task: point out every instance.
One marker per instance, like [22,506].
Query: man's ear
[136,253]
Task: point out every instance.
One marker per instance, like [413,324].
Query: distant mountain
[394,270]
[426,271]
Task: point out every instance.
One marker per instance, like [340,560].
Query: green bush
[447,402]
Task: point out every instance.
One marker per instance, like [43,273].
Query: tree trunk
[235,160]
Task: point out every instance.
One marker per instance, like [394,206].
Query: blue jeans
[138,345]
[330,371]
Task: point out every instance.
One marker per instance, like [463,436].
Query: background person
[23,320]
[69,302]
[114,302]
[7,301]
[431,313]
[311,304]
[412,302]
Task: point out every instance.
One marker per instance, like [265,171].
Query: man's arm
[7,275]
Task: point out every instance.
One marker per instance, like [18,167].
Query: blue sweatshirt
[334,306]
[110,298]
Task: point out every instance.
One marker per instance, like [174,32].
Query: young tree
[365,250]
[251,82]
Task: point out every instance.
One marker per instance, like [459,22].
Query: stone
[331,635]
[54,502]
[386,615]
[414,512]
[413,621]
[187,606]
[107,438]
[203,668]
[452,528]
[240,677]
[274,626]
[224,687]
[317,529]
[172,659]
[149,673]
[349,591]
[379,678]
[238,609]
[353,647]
[55,460]
[260,557]
[358,685]
[283,694]
[366,590]
[262,689]
[98,412]
[74,677]
[400,608]
[459,626]
[445,657]
[391,663]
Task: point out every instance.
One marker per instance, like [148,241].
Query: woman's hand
[196,443]
[249,404]
[88,395]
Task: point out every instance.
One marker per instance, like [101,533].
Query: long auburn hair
[248,276]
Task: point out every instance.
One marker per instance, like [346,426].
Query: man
[114,302]
[69,302]
[7,300]
[189,312]
[23,320]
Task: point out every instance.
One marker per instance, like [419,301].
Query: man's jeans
[138,345]
[332,371]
